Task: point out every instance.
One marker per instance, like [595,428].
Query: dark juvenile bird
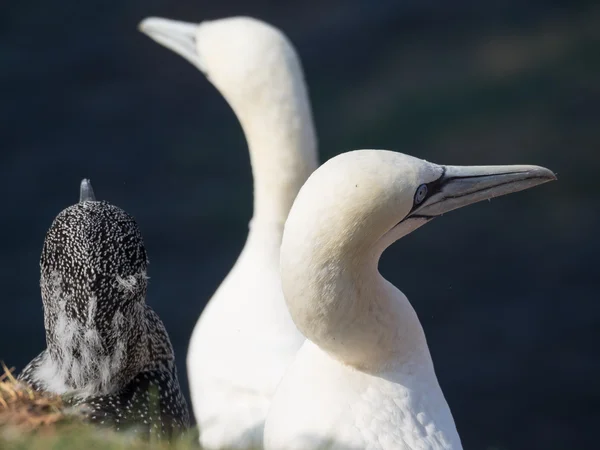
[106,349]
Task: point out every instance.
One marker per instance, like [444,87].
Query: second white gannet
[245,337]
[364,379]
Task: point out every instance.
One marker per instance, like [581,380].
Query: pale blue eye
[420,194]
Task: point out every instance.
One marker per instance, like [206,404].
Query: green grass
[86,437]
[33,421]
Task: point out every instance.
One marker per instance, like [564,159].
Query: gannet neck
[339,300]
[257,70]
[361,319]
[346,214]
[282,149]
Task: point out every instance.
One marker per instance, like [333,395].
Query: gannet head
[358,203]
[357,198]
[241,56]
[93,285]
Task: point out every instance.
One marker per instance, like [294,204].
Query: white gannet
[245,337]
[364,378]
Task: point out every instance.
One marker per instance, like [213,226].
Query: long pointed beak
[463,185]
[175,35]
[86,192]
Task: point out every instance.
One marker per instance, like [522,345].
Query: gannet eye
[420,194]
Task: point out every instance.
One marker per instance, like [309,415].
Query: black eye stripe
[432,188]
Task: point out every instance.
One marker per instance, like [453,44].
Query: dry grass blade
[23,407]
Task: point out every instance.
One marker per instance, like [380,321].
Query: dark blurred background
[507,292]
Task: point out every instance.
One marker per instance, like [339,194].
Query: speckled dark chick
[106,349]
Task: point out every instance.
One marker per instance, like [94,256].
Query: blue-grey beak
[464,185]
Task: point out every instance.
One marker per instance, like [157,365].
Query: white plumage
[245,337]
[364,379]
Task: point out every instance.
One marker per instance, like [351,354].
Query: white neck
[283,152]
[272,105]
[349,309]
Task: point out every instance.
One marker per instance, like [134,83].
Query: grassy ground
[83,438]
[30,421]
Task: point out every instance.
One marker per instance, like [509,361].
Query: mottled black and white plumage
[106,348]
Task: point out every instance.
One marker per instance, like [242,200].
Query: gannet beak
[463,185]
[177,36]
[86,192]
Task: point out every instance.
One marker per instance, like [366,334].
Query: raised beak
[86,192]
[175,35]
[463,185]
